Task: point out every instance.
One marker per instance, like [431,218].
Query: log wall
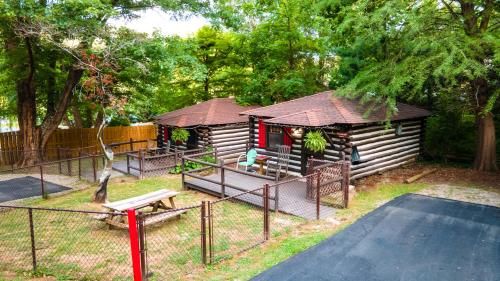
[380,149]
[230,140]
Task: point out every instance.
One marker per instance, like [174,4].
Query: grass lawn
[74,246]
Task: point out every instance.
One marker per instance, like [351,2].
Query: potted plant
[315,143]
[180,135]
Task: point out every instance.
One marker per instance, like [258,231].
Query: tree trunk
[486,147]
[26,114]
[51,122]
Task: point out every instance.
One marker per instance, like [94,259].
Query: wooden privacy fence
[75,140]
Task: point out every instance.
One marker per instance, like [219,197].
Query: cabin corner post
[251,135]
[345,145]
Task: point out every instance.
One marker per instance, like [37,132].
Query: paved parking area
[412,237]
[25,187]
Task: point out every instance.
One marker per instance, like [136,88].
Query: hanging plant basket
[315,142]
[180,135]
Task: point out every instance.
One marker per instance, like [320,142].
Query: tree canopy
[61,61]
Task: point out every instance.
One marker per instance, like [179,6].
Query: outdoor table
[261,160]
[152,199]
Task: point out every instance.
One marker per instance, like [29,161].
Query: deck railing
[220,167]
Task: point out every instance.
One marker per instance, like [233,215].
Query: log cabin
[215,122]
[351,132]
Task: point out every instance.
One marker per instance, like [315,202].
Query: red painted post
[134,244]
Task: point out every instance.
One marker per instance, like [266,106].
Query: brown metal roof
[325,109]
[218,111]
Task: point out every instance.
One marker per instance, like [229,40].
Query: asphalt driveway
[25,187]
[413,237]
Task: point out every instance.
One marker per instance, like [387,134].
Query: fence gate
[329,183]
[234,228]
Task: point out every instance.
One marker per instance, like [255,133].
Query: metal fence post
[266,211]
[276,198]
[32,235]
[79,165]
[128,164]
[345,182]
[59,159]
[141,163]
[210,232]
[203,233]
[44,196]
[175,156]
[183,176]
[142,244]
[134,244]
[94,168]
[131,145]
[69,167]
[318,193]
[222,179]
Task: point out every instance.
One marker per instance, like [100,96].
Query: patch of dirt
[444,175]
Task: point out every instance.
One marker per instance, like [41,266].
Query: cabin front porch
[297,196]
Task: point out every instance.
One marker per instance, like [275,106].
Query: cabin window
[274,137]
[399,129]
[355,155]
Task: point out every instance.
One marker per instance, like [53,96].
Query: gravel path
[466,194]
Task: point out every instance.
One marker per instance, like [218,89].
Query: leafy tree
[215,50]
[39,39]
[421,50]
[281,45]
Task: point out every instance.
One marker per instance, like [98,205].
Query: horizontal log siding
[230,141]
[380,149]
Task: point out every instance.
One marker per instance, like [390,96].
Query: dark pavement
[25,187]
[413,237]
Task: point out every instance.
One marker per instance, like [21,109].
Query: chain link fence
[173,248]
[236,225]
[63,243]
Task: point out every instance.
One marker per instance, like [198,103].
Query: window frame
[268,133]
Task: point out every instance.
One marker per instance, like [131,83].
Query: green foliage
[453,135]
[180,134]
[315,141]
[189,165]
[119,120]
[450,134]
[412,50]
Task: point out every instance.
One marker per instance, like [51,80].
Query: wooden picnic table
[153,199]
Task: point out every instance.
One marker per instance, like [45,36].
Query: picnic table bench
[152,199]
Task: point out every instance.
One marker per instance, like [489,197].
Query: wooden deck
[291,196]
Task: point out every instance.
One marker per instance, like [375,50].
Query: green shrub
[189,165]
